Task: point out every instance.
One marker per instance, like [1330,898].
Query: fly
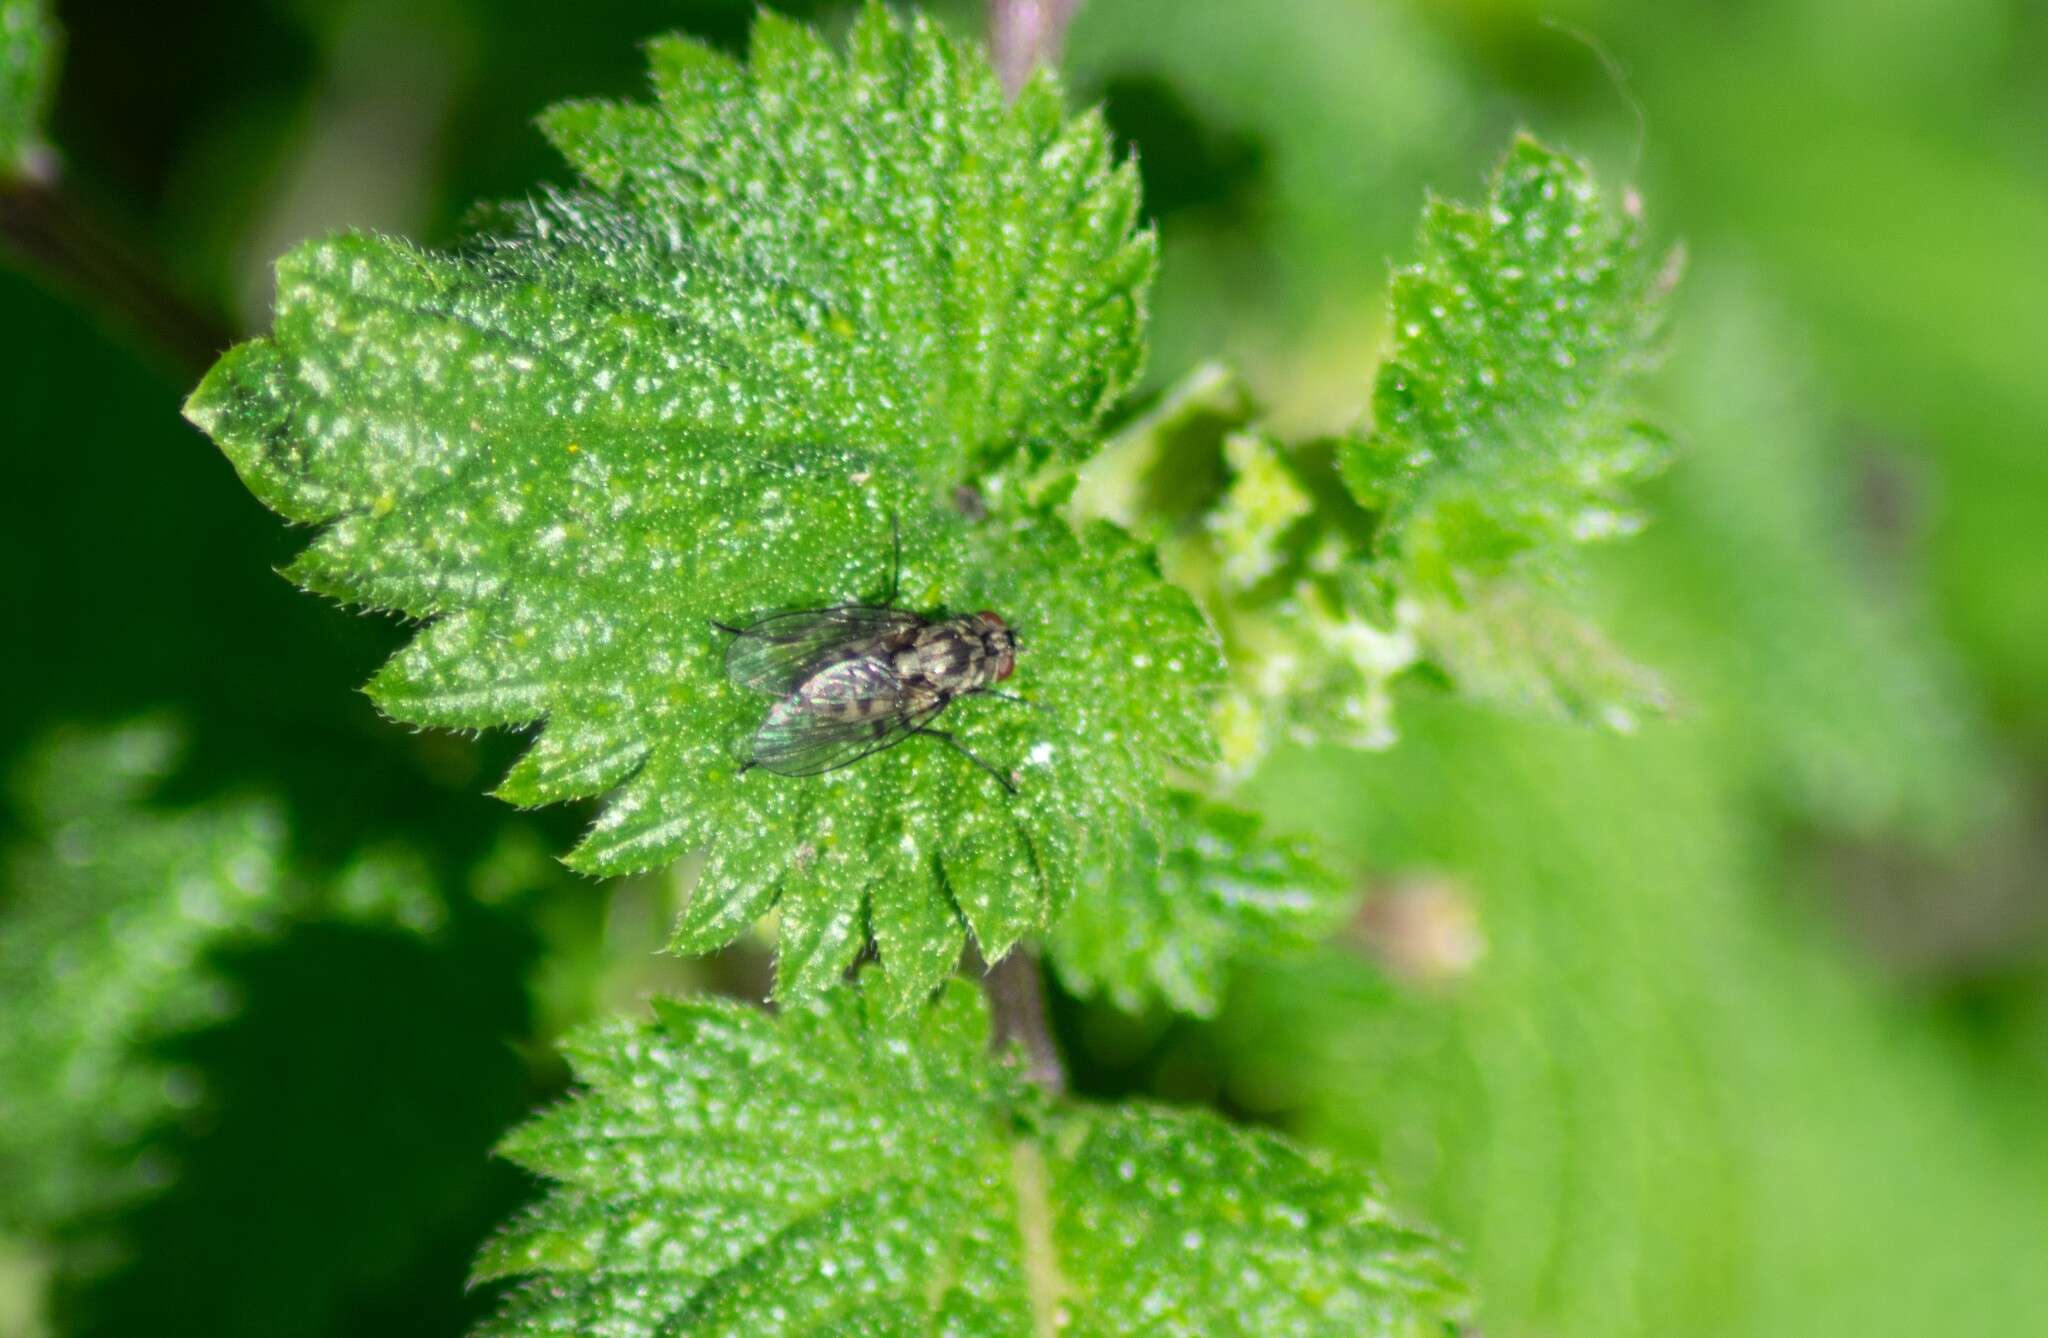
[855,679]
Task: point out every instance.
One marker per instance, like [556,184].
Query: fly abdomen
[850,688]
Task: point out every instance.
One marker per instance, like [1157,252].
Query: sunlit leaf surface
[1436,544]
[795,303]
[724,1171]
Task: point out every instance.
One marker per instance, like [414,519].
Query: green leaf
[1504,437]
[1164,928]
[1164,467]
[28,67]
[1259,530]
[111,914]
[1266,537]
[796,300]
[828,1171]
[1500,425]
[1438,547]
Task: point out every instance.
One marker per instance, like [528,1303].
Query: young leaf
[1265,536]
[1503,435]
[1164,467]
[828,1171]
[1504,439]
[110,916]
[28,60]
[1164,929]
[1499,422]
[1437,545]
[798,302]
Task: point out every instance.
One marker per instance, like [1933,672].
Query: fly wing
[779,653]
[796,740]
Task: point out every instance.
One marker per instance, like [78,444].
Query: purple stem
[1016,993]
[1024,34]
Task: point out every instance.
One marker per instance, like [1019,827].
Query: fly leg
[727,628]
[895,557]
[895,560]
[946,738]
[1010,697]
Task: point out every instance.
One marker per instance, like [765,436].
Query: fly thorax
[944,656]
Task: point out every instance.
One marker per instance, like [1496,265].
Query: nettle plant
[822,325]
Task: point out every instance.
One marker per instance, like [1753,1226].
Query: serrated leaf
[1503,437]
[28,66]
[1166,928]
[1499,419]
[1438,547]
[110,915]
[828,1171]
[799,299]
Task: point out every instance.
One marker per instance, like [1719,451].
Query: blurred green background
[1735,1026]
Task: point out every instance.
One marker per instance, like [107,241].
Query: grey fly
[854,679]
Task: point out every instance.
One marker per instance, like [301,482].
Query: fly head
[998,644]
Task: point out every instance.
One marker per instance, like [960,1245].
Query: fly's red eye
[991,619]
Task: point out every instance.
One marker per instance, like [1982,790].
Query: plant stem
[1016,991]
[48,232]
[1043,1283]
[1024,34]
